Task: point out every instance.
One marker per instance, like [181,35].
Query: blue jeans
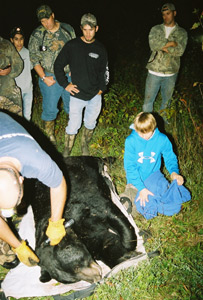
[27,104]
[51,96]
[153,84]
[92,109]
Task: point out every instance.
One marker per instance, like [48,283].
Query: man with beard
[88,63]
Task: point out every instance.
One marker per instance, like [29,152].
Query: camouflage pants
[9,105]
[6,254]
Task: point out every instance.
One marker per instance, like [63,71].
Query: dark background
[119,21]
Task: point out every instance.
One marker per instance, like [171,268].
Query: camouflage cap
[168,6]
[16,30]
[89,19]
[43,11]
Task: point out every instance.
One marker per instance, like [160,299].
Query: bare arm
[58,200]
[7,235]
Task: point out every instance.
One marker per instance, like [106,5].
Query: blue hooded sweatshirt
[143,157]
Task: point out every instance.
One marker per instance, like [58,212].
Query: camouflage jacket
[9,55]
[52,44]
[8,88]
[160,61]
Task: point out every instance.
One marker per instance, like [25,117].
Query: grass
[177,273]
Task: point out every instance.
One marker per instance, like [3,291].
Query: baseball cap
[43,11]
[88,19]
[16,30]
[168,6]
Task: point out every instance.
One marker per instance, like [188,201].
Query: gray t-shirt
[16,142]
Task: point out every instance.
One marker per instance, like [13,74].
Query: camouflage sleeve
[70,29]
[15,61]
[181,40]
[157,38]
[34,48]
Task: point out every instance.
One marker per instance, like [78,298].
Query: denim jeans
[51,96]
[27,104]
[92,109]
[153,84]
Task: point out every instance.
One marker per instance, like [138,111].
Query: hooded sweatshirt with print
[143,157]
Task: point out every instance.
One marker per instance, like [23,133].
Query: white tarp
[23,281]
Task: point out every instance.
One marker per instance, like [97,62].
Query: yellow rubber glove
[55,231]
[26,255]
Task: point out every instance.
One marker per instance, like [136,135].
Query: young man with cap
[88,63]
[21,156]
[45,43]
[167,42]
[24,80]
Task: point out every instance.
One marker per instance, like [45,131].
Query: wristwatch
[43,78]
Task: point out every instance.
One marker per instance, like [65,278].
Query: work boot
[85,139]
[127,198]
[49,129]
[68,144]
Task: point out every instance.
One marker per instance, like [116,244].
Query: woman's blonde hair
[145,122]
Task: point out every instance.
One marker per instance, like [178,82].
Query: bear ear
[45,277]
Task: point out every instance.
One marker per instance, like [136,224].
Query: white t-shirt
[24,80]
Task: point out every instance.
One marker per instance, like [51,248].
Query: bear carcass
[100,230]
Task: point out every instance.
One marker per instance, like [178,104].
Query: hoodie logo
[142,157]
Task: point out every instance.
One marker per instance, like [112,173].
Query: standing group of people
[76,70]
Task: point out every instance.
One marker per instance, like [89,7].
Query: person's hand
[55,231]
[26,255]
[100,92]
[4,72]
[179,178]
[49,80]
[143,196]
[72,89]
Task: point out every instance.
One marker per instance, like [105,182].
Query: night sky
[117,19]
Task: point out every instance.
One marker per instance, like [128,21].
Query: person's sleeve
[39,165]
[59,65]
[104,72]
[72,31]
[131,166]
[156,39]
[34,50]
[16,61]
[182,39]
[170,159]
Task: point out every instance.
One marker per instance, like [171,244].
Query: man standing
[11,65]
[21,156]
[167,42]
[45,43]
[88,63]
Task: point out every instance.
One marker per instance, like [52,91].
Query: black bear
[100,230]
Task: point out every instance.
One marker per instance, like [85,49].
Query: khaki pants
[6,254]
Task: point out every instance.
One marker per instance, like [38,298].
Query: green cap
[44,11]
[89,19]
[168,6]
